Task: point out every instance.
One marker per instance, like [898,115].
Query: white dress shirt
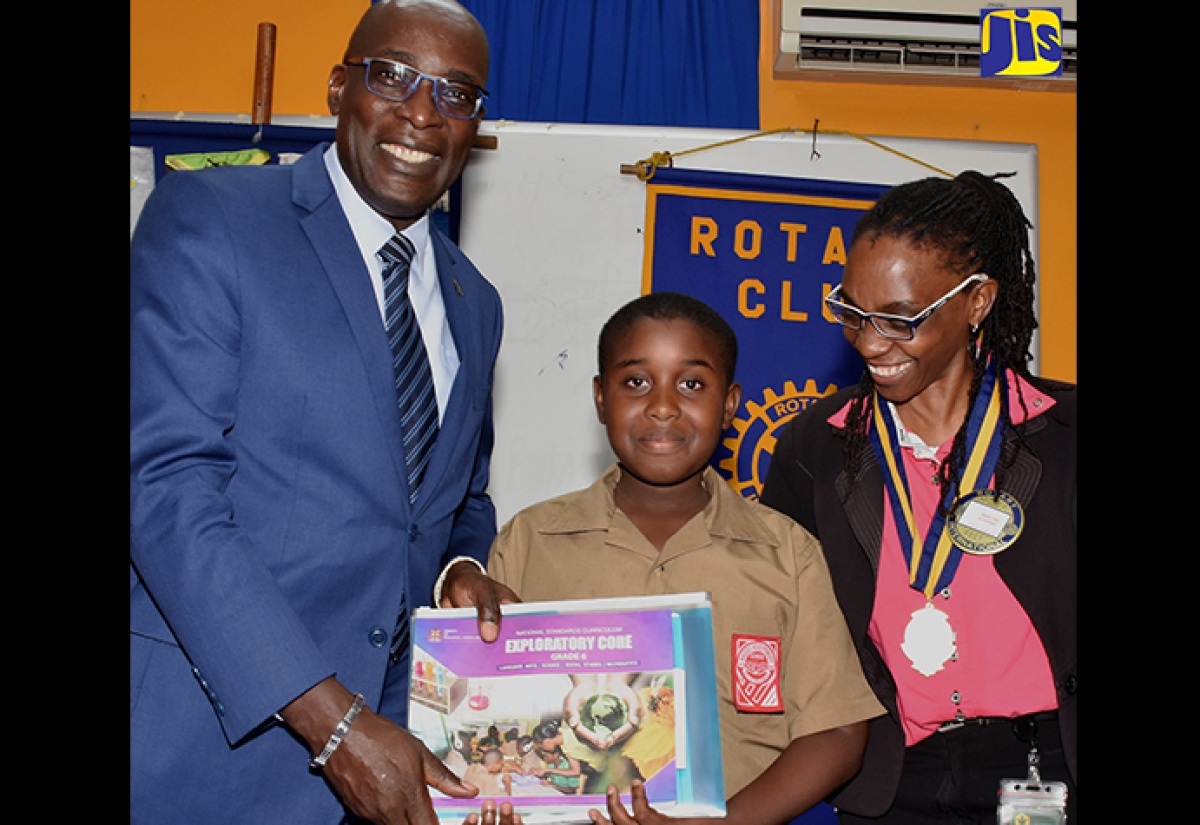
[372,231]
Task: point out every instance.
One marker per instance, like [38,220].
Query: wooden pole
[264,73]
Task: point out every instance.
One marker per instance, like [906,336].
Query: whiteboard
[551,221]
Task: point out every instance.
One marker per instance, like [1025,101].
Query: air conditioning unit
[904,37]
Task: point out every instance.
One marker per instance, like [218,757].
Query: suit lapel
[864,508]
[466,342]
[334,243]
[1022,477]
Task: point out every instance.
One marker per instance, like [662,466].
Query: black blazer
[807,481]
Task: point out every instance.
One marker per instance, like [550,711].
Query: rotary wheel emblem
[753,442]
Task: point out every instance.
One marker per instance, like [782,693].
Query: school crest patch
[756,674]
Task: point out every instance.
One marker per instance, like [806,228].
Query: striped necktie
[414,380]
[415,395]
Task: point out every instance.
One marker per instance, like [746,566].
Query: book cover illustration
[572,697]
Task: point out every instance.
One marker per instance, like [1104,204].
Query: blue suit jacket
[271,534]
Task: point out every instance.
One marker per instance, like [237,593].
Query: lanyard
[934,565]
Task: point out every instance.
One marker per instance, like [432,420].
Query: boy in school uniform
[794,703]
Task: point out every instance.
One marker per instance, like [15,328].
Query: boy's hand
[642,814]
[506,815]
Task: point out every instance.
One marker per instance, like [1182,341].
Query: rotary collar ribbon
[933,568]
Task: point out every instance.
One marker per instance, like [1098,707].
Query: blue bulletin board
[177,137]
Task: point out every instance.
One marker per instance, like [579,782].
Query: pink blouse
[999,667]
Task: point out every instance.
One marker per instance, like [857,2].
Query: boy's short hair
[667,306]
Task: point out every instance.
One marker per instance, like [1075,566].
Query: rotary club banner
[763,251]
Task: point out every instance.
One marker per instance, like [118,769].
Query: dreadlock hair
[977,225]
[669,306]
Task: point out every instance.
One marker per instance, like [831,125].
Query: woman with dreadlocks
[942,488]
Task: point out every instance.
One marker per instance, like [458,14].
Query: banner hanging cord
[645,169]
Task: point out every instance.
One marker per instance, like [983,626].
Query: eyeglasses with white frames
[393,80]
[895,327]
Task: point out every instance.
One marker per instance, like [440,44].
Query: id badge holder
[1024,802]
[1031,801]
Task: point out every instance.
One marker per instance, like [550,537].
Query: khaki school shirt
[767,576]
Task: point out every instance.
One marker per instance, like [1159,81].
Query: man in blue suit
[274,547]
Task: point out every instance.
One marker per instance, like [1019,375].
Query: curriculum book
[572,697]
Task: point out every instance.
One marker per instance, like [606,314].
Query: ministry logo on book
[1025,42]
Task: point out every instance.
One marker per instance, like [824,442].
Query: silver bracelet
[437,587]
[339,733]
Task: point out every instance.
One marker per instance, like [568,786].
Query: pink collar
[1036,401]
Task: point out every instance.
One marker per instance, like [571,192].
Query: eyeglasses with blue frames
[393,80]
[896,327]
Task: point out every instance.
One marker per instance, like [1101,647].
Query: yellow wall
[202,60]
[1043,118]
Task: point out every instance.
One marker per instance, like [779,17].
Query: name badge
[984,522]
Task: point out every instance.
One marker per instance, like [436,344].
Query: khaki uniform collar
[723,517]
